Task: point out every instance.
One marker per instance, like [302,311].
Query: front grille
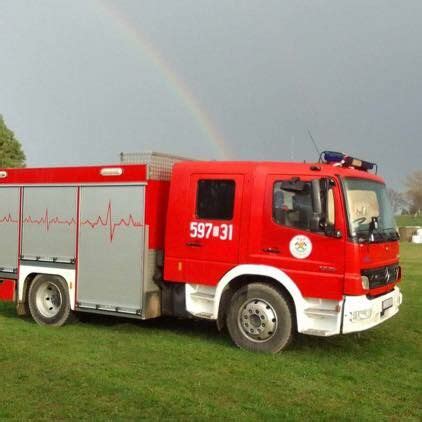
[379,277]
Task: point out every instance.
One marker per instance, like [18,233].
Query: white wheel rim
[48,299]
[257,320]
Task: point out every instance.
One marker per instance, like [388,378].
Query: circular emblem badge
[300,246]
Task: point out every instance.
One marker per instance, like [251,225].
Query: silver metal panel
[159,166]
[49,222]
[111,248]
[9,228]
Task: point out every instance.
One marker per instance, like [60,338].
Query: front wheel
[260,319]
[49,302]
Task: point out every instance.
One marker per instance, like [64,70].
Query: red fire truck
[266,249]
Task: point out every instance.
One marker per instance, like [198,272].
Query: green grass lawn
[408,220]
[121,369]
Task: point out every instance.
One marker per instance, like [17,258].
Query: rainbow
[135,36]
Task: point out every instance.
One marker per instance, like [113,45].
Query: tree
[414,190]
[11,153]
[398,200]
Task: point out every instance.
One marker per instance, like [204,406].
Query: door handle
[271,250]
[194,244]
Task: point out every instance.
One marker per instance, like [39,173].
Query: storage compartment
[9,229]
[111,248]
[49,223]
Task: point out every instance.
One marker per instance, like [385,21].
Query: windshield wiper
[391,234]
[373,225]
[376,236]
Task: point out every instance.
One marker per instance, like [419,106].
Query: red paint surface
[7,290]
[366,256]
[157,194]
[73,175]
[327,252]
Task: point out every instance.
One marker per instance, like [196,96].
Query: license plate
[387,303]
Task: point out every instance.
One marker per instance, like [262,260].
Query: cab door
[212,227]
[314,260]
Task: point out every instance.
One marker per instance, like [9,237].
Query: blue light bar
[333,157]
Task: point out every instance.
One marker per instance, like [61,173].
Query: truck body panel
[9,228]
[111,244]
[101,228]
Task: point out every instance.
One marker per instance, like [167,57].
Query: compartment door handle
[194,244]
[271,250]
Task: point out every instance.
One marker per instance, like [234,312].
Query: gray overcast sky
[79,83]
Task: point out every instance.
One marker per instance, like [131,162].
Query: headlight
[365,282]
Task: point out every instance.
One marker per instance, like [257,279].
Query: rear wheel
[49,302]
[260,319]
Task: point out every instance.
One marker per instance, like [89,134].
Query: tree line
[410,201]
[11,152]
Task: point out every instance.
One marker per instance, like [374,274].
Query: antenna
[292,141]
[314,143]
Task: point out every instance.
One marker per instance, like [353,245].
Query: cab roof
[274,167]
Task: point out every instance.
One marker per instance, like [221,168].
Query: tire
[49,302]
[260,319]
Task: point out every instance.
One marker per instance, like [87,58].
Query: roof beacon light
[340,159]
[331,157]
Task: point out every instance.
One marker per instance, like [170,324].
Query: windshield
[368,201]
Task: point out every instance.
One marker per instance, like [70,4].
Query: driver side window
[292,208]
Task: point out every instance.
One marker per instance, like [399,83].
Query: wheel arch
[49,299]
[28,273]
[27,284]
[22,293]
[30,278]
[245,274]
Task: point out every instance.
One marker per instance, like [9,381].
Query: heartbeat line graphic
[9,219]
[47,221]
[106,221]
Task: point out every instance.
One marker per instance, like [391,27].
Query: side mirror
[319,223]
[316,223]
[331,231]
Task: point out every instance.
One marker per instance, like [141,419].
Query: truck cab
[266,247]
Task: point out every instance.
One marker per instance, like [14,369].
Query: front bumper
[361,313]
